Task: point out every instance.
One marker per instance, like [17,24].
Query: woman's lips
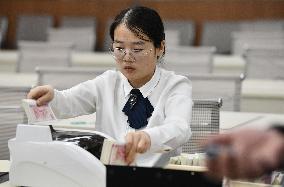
[129,69]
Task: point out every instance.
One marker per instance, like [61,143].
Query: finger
[36,92]
[129,142]
[143,144]
[44,99]
[132,152]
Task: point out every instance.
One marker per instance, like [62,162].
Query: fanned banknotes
[37,114]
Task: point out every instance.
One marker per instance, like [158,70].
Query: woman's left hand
[136,142]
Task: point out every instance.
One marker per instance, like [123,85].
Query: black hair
[141,21]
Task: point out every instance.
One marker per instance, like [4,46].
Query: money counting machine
[40,157]
[38,160]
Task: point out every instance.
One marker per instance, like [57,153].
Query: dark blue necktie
[138,109]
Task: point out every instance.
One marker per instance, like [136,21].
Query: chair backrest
[227,87]
[63,78]
[33,27]
[243,40]
[188,59]
[262,25]
[265,63]
[13,95]
[179,32]
[78,22]
[218,33]
[204,122]
[10,116]
[82,38]
[51,54]
[79,30]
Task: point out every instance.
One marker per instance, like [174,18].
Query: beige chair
[33,27]
[51,54]
[265,63]
[227,87]
[204,122]
[179,32]
[262,25]
[63,78]
[78,22]
[218,33]
[243,40]
[78,30]
[10,116]
[187,59]
[82,38]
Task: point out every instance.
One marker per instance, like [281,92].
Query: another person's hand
[136,142]
[42,94]
[246,153]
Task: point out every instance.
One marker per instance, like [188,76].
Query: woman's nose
[128,56]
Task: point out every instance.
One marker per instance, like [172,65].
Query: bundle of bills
[102,146]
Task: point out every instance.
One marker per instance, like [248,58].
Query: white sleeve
[78,100]
[175,129]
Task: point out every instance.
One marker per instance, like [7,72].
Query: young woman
[147,107]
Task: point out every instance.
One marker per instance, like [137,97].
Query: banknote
[117,156]
[37,113]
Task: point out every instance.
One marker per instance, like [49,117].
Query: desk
[228,64]
[221,63]
[94,59]
[237,120]
[9,58]
[228,121]
[86,122]
[259,95]
[18,79]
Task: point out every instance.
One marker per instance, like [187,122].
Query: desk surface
[86,122]
[221,63]
[228,121]
[237,120]
[18,79]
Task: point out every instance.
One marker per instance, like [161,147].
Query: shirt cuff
[156,144]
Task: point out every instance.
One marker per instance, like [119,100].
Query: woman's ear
[162,48]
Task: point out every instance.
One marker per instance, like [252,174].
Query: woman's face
[136,58]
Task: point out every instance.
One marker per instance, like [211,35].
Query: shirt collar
[147,88]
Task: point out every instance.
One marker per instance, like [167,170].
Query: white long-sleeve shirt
[169,94]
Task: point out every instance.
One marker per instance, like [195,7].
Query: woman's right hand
[42,94]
